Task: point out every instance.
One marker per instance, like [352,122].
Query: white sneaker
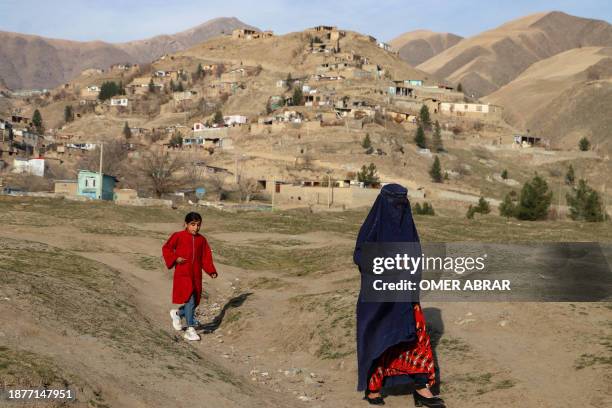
[176,320]
[191,334]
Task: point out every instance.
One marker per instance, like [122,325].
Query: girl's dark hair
[193,216]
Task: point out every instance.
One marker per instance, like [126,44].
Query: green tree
[534,200]
[570,176]
[289,81]
[199,73]
[424,117]
[507,208]
[437,138]
[68,113]
[127,132]
[298,96]
[37,121]
[504,174]
[366,143]
[176,140]
[436,171]
[426,209]
[419,137]
[585,203]
[368,174]
[218,118]
[180,87]
[584,144]
[109,89]
[483,206]
[459,87]
[151,86]
[172,86]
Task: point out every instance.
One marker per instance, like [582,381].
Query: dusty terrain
[491,59]
[84,302]
[416,47]
[31,61]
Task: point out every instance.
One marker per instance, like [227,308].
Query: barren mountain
[563,97]
[29,61]
[416,47]
[149,49]
[489,60]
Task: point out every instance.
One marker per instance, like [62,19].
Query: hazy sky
[124,20]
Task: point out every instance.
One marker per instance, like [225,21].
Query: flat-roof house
[119,100]
[88,185]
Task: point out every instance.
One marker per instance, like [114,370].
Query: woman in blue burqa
[393,346]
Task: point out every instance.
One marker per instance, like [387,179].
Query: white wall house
[119,101]
[35,167]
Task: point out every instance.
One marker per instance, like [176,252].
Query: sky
[126,20]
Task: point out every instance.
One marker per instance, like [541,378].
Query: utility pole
[273,191]
[329,191]
[100,175]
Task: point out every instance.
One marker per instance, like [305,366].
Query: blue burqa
[381,325]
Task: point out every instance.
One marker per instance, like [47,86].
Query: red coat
[188,275]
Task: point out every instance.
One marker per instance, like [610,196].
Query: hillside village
[288,120]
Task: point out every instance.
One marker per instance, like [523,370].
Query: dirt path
[514,355]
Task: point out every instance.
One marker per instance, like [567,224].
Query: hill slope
[416,47]
[487,61]
[563,97]
[29,61]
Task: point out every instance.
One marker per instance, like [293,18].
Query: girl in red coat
[188,252]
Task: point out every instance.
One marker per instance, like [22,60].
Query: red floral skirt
[405,359]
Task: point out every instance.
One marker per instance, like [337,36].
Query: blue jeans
[188,311]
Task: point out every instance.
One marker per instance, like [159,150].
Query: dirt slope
[30,61]
[563,97]
[489,60]
[416,47]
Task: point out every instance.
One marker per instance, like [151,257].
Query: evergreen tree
[419,138]
[109,89]
[459,87]
[483,206]
[534,200]
[37,121]
[437,138]
[366,143]
[584,144]
[424,117]
[298,96]
[151,86]
[570,177]
[585,203]
[127,132]
[218,118]
[176,140]
[507,208]
[199,73]
[172,86]
[68,114]
[180,87]
[436,171]
[504,174]
[368,174]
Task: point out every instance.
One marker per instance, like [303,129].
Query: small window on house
[465,107]
[90,182]
[478,108]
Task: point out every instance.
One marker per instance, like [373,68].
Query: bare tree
[115,154]
[247,187]
[160,170]
[216,184]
